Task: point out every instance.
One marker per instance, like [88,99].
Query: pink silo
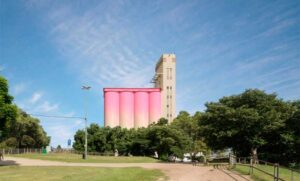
[127,109]
[111,106]
[141,109]
[154,106]
[131,107]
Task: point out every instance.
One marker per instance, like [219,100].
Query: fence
[267,170]
[20,151]
[40,150]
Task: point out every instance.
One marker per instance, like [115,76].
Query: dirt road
[175,172]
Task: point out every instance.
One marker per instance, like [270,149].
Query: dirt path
[175,172]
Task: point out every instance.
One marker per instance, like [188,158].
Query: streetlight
[85,118]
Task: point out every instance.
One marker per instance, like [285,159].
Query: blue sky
[48,49]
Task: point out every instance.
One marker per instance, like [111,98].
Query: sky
[50,48]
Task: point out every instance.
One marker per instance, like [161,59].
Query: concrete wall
[166,80]
[131,107]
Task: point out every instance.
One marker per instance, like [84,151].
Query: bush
[11,142]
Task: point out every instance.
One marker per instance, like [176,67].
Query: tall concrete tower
[165,79]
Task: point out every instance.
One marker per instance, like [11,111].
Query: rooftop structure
[165,79]
[139,107]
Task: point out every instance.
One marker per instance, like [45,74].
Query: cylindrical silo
[141,109]
[127,109]
[154,106]
[111,108]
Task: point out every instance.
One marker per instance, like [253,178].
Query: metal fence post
[250,166]
[274,175]
[277,171]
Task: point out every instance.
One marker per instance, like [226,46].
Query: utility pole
[85,119]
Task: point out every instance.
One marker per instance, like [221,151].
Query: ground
[152,171]
[18,173]
[75,158]
[258,175]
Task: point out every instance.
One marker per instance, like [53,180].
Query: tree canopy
[159,137]
[246,122]
[17,128]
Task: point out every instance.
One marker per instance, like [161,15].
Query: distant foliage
[161,138]
[18,129]
[181,136]
[253,123]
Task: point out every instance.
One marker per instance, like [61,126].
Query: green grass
[17,173]
[260,176]
[68,157]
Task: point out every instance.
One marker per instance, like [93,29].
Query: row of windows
[169,73]
[169,87]
[169,115]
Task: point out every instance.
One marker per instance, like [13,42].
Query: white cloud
[60,130]
[46,107]
[17,89]
[1,68]
[78,122]
[60,134]
[101,44]
[99,47]
[35,97]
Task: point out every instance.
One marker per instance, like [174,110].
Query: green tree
[8,111]
[167,141]
[11,142]
[285,143]
[140,142]
[79,140]
[162,121]
[18,129]
[30,127]
[244,122]
[189,125]
[58,147]
[27,141]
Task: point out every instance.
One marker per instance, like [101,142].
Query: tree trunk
[254,155]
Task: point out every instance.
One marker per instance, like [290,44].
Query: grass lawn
[260,176]
[17,173]
[68,157]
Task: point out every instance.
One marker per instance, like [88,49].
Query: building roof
[162,57]
[131,89]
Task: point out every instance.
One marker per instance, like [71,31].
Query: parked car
[174,159]
[187,159]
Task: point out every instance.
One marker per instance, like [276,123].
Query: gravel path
[175,172]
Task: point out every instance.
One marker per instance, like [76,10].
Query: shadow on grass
[7,163]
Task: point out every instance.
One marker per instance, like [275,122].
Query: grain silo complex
[139,107]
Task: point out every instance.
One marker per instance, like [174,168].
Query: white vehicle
[187,159]
[174,159]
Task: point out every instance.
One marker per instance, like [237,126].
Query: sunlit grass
[69,157]
[260,176]
[16,173]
